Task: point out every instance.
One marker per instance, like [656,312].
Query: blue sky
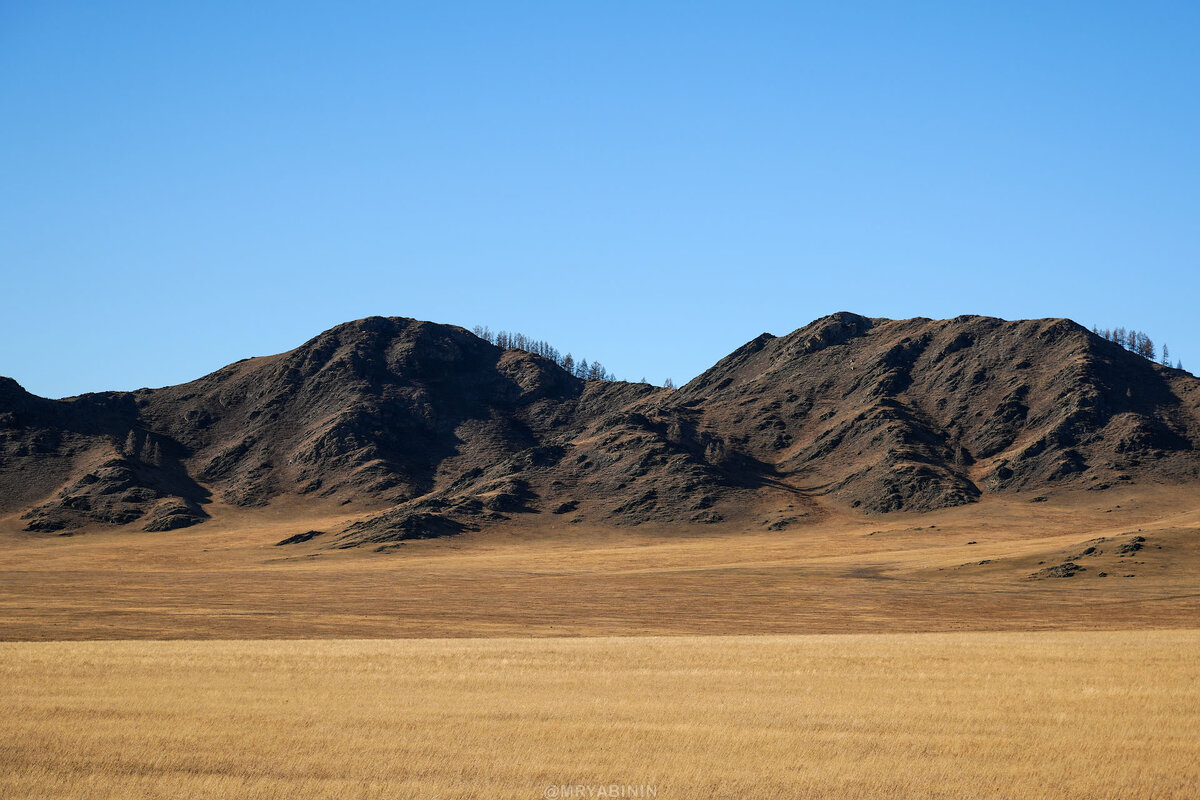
[649,184]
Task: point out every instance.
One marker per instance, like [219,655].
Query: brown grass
[959,715]
[538,576]
[1094,704]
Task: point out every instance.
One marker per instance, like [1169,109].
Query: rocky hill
[420,429]
[921,414]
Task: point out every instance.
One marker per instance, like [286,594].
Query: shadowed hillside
[421,430]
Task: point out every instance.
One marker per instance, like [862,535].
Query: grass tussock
[954,715]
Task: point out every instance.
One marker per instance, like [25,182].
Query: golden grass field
[897,656]
[947,715]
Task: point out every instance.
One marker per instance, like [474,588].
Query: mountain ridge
[422,429]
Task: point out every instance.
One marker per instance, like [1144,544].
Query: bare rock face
[84,461]
[425,430]
[922,414]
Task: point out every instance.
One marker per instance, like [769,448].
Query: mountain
[921,414]
[419,429]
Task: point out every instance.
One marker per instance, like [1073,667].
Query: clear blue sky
[649,184]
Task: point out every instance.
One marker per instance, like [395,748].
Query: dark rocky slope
[922,414]
[432,430]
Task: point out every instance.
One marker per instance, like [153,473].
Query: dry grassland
[1080,687]
[957,715]
[959,569]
